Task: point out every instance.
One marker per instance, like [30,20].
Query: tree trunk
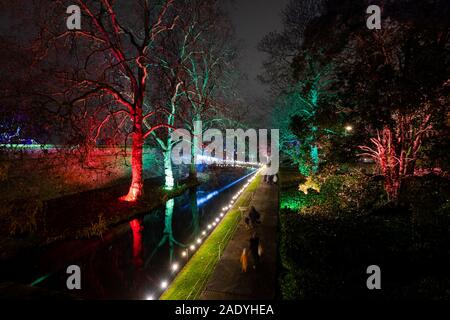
[168,232]
[193,171]
[168,170]
[136,190]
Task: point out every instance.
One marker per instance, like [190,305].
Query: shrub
[427,197]
[97,229]
[347,192]
[326,247]
[24,218]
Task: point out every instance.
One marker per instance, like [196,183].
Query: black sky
[252,20]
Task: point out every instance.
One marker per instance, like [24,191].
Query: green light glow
[292,200]
[167,233]
[39,280]
[168,171]
[301,147]
[315,158]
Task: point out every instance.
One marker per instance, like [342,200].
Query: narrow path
[228,282]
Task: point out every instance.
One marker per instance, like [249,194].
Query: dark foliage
[325,253]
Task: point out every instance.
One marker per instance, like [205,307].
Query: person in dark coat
[254,217]
[254,245]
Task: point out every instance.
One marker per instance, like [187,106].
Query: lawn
[190,282]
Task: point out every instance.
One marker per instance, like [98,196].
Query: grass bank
[79,216]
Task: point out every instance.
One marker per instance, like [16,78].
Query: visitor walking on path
[254,249]
[254,217]
[244,260]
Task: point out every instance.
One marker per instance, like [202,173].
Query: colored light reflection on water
[135,260]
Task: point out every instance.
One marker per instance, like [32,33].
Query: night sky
[252,20]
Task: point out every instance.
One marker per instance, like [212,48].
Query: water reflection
[168,236]
[193,199]
[132,260]
[137,228]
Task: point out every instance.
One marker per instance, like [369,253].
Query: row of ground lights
[189,252]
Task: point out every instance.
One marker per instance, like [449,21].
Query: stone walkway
[228,282]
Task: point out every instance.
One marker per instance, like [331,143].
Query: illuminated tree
[208,59]
[283,47]
[380,79]
[186,91]
[301,78]
[301,116]
[163,139]
[396,150]
[104,69]
[396,84]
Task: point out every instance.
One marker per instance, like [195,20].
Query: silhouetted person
[247,223]
[254,217]
[254,245]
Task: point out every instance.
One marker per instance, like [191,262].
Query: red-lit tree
[396,149]
[105,68]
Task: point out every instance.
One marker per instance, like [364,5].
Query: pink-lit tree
[106,67]
[396,149]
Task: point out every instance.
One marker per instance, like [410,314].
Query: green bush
[347,192]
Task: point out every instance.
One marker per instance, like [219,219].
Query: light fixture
[164,284]
[192,247]
[175,267]
[199,240]
[150,297]
[348,128]
[184,253]
[204,233]
[209,226]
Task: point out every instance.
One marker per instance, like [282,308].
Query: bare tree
[396,150]
[104,70]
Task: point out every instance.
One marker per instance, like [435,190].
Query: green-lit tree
[300,116]
[208,60]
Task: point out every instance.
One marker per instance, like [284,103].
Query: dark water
[133,260]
